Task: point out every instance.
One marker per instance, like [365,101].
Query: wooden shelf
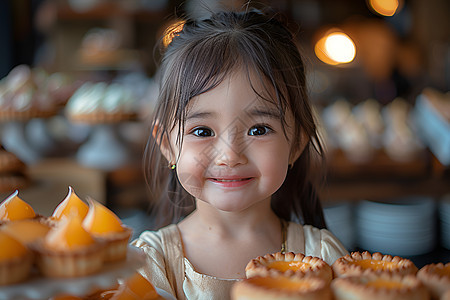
[384,178]
[355,190]
[379,166]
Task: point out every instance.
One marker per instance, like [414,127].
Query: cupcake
[358,264]
[276,286]
[68,250]
[436,277]
[382,286]
[15,260]
[106,227]
[13,208]
[289,264]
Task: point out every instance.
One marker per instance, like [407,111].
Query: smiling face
[234,151]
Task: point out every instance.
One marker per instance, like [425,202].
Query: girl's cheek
[190,183]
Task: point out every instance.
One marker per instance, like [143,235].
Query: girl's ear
[163,142]
[295,153]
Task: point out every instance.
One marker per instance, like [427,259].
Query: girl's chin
[235,204]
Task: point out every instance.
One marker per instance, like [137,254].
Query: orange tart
[289,264]
[71,205]
[136,287]
[13,208]
[68,250]
[27,231]
[436,277]
[277,286]
[15,260]
[382,286]
[105,226]
[358,264]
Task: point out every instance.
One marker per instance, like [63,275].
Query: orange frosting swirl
[13,208]
[100,221]
[72,204]
[68,235]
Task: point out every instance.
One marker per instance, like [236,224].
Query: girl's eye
[259,130]
[202,132]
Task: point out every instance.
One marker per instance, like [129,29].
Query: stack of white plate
[340,221]
[404,227]
[444,215]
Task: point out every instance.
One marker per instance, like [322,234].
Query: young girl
[231,155]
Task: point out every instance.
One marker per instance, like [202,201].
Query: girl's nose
[231,148]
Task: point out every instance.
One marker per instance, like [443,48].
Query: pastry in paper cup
[68,250]
[379,286]
[363,263]
[16,260]
[289,264]
[106,227]
[436,277]
[277,286]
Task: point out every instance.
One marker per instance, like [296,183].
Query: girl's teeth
[225,180]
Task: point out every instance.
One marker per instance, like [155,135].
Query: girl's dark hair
[200,55]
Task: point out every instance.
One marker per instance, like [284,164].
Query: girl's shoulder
[159,239]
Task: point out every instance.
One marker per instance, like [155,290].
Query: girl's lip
[231,181]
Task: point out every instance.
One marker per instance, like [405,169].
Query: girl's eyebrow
[200,115]
[264,112]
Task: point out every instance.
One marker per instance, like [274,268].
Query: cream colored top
[169,270]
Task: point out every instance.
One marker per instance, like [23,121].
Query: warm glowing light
[171,31]
[335,48]
[385,7]
[340,47]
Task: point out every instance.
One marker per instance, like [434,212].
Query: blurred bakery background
[77,88]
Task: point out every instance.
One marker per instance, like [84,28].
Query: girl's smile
[231,182]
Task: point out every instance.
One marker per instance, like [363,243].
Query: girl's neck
[220,244]
[258,218]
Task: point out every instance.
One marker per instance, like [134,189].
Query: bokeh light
[385,7]
[335,48]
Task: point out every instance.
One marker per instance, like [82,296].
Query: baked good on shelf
[72,205]
[276,286]
[13,174]
[68,250]
[9,162]
[15,260]
[288,264]
[28,232]
[21,97]
[379,286]
[436,277]
[13,208]
[100,47]
[99,102]
[106,227]
[363,263]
